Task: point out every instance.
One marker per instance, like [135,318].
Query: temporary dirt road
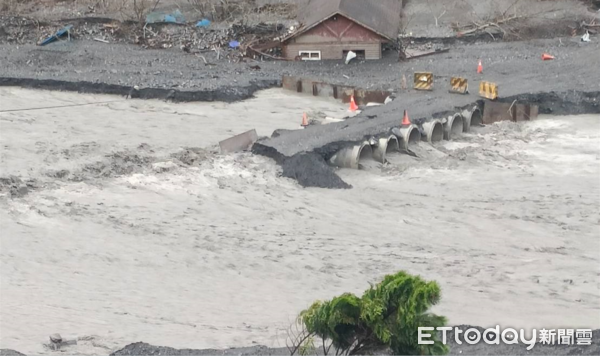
[123,236]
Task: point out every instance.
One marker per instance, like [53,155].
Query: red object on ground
[546,57]
[405,119]
[304,120]
[479,67]
[353,106]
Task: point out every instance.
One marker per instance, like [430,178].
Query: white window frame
[310,53]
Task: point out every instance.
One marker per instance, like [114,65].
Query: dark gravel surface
[515,66]
[131,65]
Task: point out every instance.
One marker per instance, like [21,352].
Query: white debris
[586,37]
[161,167]
[351,55]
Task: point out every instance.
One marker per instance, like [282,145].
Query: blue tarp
[234,44]
[57,35]
[203,23]
[161,17]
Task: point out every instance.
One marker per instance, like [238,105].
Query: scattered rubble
[190,38]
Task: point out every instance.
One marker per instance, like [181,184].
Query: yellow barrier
[488,90]
[459,85]
[423,81]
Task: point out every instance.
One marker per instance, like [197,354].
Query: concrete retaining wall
[340,92]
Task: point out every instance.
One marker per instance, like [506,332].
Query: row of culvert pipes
[432,131]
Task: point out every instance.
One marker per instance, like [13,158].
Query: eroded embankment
[308,164]
[226,94]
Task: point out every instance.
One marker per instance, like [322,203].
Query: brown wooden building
[331,28]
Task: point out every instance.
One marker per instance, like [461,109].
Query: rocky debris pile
[18,30]
[227,41]
[14,187]
[24,30]
[283,10]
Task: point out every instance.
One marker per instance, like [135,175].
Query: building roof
[379,16]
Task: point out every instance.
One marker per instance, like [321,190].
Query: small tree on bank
[387,316]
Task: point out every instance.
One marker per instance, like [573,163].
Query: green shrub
[386,317]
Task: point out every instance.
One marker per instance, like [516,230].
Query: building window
[360,54]
[310,55]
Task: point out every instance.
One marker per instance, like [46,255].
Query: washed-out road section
[566,85]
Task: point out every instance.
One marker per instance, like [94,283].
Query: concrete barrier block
[526,112]
[494,111]
[290,83]
[364,97]
[240,142]
[323,89]
[345,93]
[307,86]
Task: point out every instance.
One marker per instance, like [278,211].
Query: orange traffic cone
[353,106]
[546,57]
[479,67]
[304,120]
[405,119]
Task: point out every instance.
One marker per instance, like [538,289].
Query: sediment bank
[226,94]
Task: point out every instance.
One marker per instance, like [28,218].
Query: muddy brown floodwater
[121,235]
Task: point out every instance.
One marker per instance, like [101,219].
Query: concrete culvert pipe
[471,117]
[384,146]
[351,157]
[453,127]
[408,135]
[476,117]
[433,131]
[466,115]
[365,155]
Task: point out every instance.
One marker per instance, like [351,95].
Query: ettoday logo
[508,336]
